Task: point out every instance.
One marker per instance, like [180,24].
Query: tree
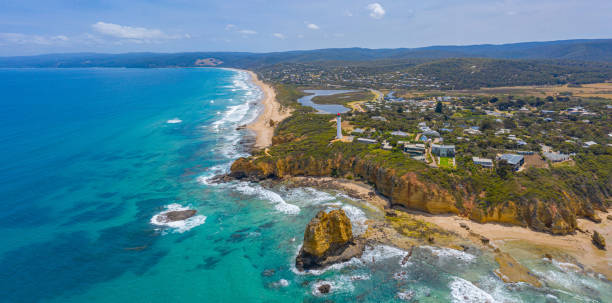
[503,169]
[439,107]
[509,124]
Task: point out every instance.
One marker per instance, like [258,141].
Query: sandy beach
[577,248]
[270,116]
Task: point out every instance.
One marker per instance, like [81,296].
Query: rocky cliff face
[328,239]
[411,191]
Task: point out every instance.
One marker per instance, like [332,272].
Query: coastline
[263,126]
[568,249]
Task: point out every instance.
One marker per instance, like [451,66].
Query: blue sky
[44,26]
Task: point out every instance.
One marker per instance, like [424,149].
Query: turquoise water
[90,156]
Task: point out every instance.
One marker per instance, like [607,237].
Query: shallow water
[91,156]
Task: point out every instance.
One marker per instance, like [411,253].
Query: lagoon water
[90,156]
[324,108]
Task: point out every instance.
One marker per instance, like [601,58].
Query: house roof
[512,159]
[482,160]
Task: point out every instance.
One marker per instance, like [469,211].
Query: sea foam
[174,121]
[463,291]
[257,190]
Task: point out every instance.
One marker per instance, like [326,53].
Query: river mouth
[324,108]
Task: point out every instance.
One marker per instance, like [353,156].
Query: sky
[29,27]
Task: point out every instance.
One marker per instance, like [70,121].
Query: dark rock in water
[599,240]
[243,126]
[268,272]
[484,240]
[178,215]
[324,288]
[328,239]
[221,179]
[548,256]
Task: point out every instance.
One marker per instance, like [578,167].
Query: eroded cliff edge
[542,200]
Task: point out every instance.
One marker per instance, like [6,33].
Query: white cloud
[230,27]
[312,26]
[279,35]
[18,38]
[376,10]
[136,34]
[247,32]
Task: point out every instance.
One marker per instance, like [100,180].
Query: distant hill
[576,50]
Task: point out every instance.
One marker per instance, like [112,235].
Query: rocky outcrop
[599,240]
[177,215]
[328,239]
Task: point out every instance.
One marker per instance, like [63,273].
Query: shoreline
[571,248]
[263,126]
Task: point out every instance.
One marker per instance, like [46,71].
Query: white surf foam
[180,226]
[280,283]
[174,121]
[339,284]
[463,291]
[449,253]
[265,194]
[236,115]
[358,218]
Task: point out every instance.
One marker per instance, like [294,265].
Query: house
[589,143]
[502,131]
[484,162]
[399,133]
[514,160]
[366,141]
[386,145]
[555,156]
[415,149]
[443,150]
[431,133]
[358,131]
[379,118]
[472,131]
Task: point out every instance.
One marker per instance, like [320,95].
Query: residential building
[484,162]
[399,133]
[443,150]
[514,160]
[367,141]
[555,156]
[358,131]
[415,149]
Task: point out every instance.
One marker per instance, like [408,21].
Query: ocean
[89,157]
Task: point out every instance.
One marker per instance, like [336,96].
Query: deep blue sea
[89,157]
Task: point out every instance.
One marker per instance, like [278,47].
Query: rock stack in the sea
[328,239]
[177,215]
[599,240]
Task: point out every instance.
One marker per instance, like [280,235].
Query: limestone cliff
[410,190]
[328,239]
